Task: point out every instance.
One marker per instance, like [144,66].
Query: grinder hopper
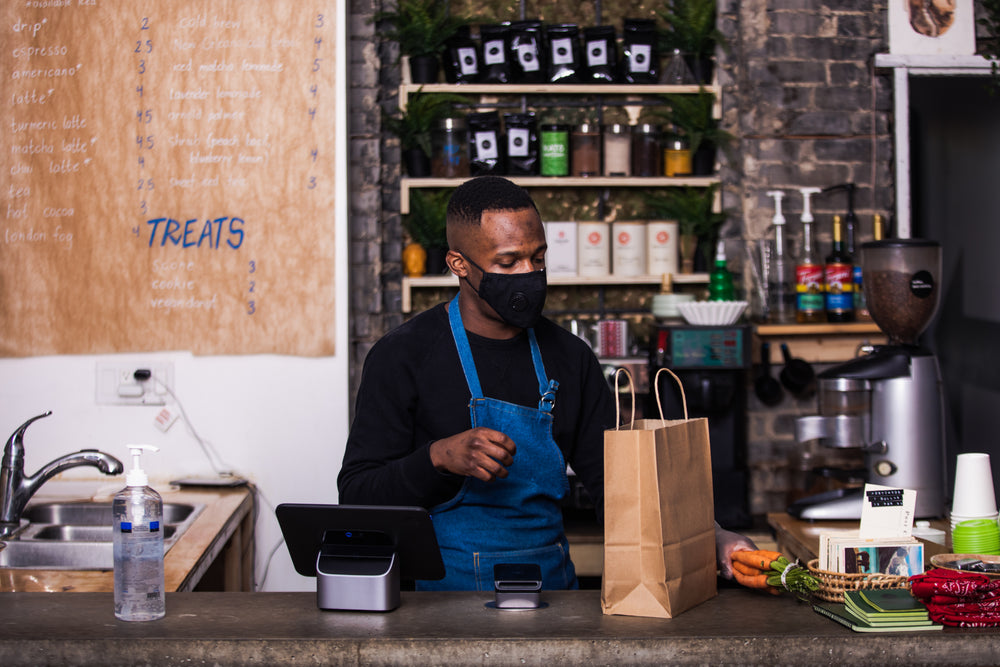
[900,279]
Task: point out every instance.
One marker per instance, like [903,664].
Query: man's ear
[456,263]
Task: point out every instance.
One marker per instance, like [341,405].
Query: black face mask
[518,298]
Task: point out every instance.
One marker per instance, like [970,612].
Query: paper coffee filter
[712,313]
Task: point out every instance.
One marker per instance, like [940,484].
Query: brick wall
[799,92]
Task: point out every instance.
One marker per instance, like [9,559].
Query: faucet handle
[16,440]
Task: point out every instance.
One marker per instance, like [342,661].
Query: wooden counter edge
[184,563]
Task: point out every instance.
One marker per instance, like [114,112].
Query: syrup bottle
[838,278]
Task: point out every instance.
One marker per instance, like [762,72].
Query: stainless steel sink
[57,555]
[59,533]
[94,514]
[77,535]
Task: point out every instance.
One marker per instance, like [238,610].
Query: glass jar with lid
[677,156]
[449,148]
[617,150]
[647,156]
[586,149]
[555,149]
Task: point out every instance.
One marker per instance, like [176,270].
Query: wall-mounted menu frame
[170,173]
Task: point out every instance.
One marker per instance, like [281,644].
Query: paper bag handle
[656,388]
[618,403]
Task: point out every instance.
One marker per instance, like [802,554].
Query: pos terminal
[360,553]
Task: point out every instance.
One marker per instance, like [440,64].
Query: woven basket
[832,585]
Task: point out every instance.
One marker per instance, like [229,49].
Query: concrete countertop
[184,564]
[738,626]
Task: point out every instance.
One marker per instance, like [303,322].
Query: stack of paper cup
[974,497]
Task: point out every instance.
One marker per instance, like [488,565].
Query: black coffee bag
[600,54]
[640,60]
[563,53]
[485,144]
[522,144]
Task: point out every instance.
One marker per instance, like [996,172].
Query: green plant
[692,115]
[413,124]
[693,209]
[421,27]
[691,28]
[425,223]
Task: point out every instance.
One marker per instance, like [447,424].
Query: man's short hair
[484,193]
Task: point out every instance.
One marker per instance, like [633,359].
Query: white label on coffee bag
[467,60]
[562,51]
[641,58]
[517,141]
[493,53]
[486,146]
[597,53]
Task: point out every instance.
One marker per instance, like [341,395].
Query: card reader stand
[360,554]
[357,576]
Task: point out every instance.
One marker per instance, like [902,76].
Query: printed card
[887,512]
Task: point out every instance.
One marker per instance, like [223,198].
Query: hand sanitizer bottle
[138,546]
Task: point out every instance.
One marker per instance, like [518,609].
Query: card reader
[517,585]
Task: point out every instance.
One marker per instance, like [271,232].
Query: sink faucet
[16,489]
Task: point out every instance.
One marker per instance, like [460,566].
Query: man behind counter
[472,409]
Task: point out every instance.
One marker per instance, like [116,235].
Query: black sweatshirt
[413,392]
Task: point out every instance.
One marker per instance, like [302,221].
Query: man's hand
[726,542]
[481,453]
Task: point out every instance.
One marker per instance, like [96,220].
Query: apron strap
[464,350]
[546,388]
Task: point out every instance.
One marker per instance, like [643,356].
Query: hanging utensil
[767,389]
[798,375]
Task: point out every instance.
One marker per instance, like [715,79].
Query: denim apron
[512,520]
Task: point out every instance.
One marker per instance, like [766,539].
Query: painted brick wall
[800,91]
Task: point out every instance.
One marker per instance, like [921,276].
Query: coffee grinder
[887,403]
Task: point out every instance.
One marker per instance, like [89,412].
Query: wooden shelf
[816,329]
[450,280]
[406,184]
[406,89]
[817,343]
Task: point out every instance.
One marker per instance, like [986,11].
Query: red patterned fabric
[963,599]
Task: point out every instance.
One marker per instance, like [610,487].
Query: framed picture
[932,27]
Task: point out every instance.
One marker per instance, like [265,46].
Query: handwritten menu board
[168,176]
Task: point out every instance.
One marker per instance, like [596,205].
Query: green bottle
[720,281]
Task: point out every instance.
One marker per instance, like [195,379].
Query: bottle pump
[781,291]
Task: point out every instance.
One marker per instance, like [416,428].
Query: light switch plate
[116,383]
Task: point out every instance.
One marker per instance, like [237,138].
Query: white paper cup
[974,495]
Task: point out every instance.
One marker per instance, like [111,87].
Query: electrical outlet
[116,383]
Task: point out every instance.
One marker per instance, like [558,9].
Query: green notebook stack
[890,610]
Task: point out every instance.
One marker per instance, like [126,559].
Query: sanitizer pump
[137,512]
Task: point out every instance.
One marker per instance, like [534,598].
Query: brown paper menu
[168,176]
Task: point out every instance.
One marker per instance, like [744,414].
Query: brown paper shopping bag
[659,525]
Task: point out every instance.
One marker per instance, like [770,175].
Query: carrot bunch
[772,572]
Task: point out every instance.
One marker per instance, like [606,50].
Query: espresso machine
[887,403]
